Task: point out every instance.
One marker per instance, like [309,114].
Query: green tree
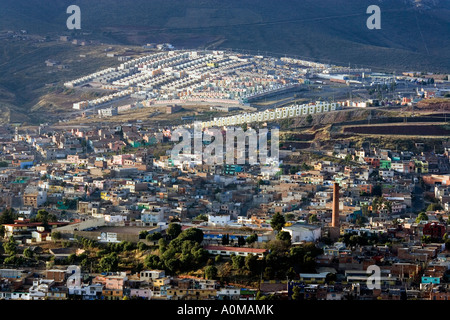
[251,238]
[421,216]
[142,246]
[109,263]
[193,234]
[330,278]
[28,253]
[211,272]
[296,294]
[200,255]
[10,247]
[434,207]
[143,234]
[162,245]
[173,230]
[241,241]
[309,119]
[348,158]
[277,222]
[284,236]
[172,265]
[225,239]
[56,235]
[8,216]
[313,219]
[269,273]
[237,261]
[14,260]
[44,217]
[153,236]
[152,261]
[426,239]
[388,206]
[377,204]
[203,217]
[72,259]
[291,274]
[251,263]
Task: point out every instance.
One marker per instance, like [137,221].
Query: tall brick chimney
[335,214]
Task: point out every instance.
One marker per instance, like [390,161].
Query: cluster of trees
[251,238]
[109,262]
[153,236]
[304,167]
[71,203]
[379,203]
[282,261]
[8,216]
[361,240]
[183,253]
[286,261]
[429,239]
[277,222]
[249,262]
[434,206]
[86,243]
[11,250]
[421,216]
[108,257]
[82,260]
[44,217]
[240,240]
[202,217]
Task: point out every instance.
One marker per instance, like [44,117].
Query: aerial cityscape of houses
[356,213]
[101,211]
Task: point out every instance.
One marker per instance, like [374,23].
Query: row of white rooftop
[274,114]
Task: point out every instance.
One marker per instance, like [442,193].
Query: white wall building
[152,217]
[303,232]
[151,275]
[216,219]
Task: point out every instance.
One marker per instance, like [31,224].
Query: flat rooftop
[123,230]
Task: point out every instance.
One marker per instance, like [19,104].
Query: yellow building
[112,294]
[55,189]
[191,294]
[157,283]
[105,196]
[57,294]
[421,166]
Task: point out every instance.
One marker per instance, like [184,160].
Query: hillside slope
[413,35]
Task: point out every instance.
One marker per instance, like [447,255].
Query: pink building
[120,159]
[144,293]
[115,282]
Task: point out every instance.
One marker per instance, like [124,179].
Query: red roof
[58,223]
[237,249]
[29,224]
